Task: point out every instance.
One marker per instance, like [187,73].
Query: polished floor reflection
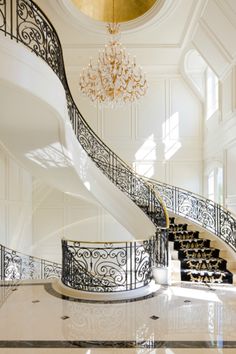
[182,318]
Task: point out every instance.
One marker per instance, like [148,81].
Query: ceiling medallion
[125,10]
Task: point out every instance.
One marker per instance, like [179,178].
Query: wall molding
[215,40]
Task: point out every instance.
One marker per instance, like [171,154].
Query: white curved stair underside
[35,128]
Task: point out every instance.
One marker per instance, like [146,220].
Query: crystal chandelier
[116,79]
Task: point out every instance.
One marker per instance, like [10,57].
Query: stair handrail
[25,22]
[199,209]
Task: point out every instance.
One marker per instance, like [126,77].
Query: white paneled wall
[230,165]
[57,215]
[214,38]
[160,136]
[15,204]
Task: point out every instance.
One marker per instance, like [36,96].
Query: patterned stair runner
[199,261]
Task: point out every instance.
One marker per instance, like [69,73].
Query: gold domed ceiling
[114,10]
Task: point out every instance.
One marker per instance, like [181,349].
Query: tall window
[219,185]
[211,186]
[215,185]
[212,93]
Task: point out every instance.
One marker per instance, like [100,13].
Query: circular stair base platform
[144,291]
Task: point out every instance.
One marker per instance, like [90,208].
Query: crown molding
[126,45]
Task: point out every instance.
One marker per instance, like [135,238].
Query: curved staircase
[200,261]
[30,27]
[197,256]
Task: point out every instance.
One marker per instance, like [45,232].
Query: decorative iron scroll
[112,267]
[26,23]
[200,210]
[2,15]
[16,266]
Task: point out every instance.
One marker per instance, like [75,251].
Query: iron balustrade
[25,22]
[208,214]
[112,267]
[16,266]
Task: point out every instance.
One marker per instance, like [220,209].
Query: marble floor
[182,318]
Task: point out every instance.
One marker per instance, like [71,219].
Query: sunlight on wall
[50,156]
[146,154]
[87,185]
[170,135]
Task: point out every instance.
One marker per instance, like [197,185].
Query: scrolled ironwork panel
[197,209]
[143,261]
[31,268]
[16,266]
[108,267]
[202,211]
[3,15]
[12,265]
[36,32]
[166,192]
[51,270]
[227,227]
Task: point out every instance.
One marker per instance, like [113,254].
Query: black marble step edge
[114,344]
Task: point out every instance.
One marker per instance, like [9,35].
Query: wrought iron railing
[112,267]
[23,21]
[16,266]
[200,210]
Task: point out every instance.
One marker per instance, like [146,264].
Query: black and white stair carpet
[199,261]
